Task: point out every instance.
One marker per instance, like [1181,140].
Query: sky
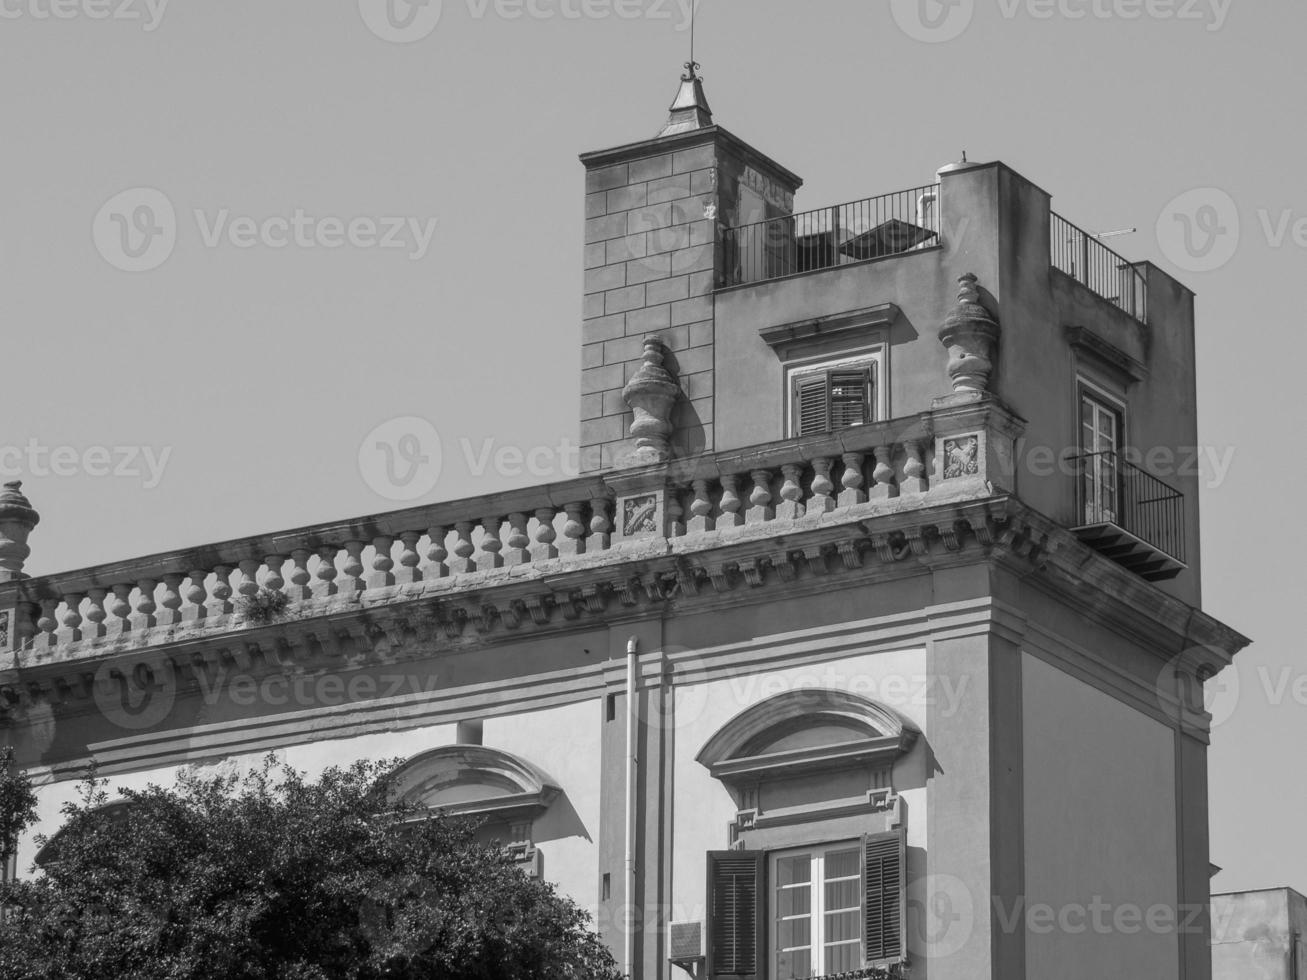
[376,215]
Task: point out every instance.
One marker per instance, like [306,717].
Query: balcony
[846,234]
[1131,517]
[1087,260]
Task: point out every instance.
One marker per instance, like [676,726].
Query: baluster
[760,497]
[601,526]
[194,609]
[325,585]
[463,549]
[72,619]
[701,509]
[853,481]
[221,604]
[573,542]
[731,503]
[675,514]
[491,545]
[145,605]
[519,541]
[436,554]
[299,575]
[273,581]
[822,487]
[121,609]
[546,535]
[382,564]
[791,508]
[47,624]
[409,559]
[883,474]
[914,470]
[172,600]
[351,579]
[95,612]
[248,587]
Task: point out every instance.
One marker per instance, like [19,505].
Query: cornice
[699,573]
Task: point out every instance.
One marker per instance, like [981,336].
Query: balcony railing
[1086,259]
[872,228]
[1131,516]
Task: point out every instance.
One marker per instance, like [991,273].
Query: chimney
[654,256]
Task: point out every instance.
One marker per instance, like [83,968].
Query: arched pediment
[473,780]
[807,730]
[117,810]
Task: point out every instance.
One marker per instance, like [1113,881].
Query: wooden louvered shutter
[811,406]
[883,860]
[737,907]
[850,397]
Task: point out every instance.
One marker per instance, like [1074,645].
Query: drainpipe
[632,774]
[1295,963]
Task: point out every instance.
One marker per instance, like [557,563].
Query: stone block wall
[650,257]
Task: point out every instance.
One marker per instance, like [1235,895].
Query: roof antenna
[693,65]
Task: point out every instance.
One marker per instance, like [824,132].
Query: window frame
[1092,509]
[817,910]
[873,358]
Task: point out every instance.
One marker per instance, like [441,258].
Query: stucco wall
[1100,821]
[1254,934]
[563,741]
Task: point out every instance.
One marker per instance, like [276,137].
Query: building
[1259,935]
[883,575]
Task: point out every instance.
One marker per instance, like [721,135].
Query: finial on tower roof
[690,110]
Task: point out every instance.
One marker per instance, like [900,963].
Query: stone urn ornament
[17,520]
[971,335]
[652,394]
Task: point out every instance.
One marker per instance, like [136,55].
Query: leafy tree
[271,876]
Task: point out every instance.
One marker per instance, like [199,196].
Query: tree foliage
[271,876]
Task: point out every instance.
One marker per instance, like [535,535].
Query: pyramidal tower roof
[690,110]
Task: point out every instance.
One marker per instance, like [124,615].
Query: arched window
[813,884]
[508,793]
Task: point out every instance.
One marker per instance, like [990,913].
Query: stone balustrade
[318,568]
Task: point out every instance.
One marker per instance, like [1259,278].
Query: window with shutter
[827,400]
[736,907]
[883,885]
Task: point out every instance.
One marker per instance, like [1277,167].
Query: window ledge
[822,758]
[839,330]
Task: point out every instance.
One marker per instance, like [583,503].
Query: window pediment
[806,731]
[473,780]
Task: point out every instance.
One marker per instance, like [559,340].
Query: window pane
[842,895]
[794,966]
[842,864]
[793,901]
[843,958]
[843,926]
[794,870]
[794,933]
